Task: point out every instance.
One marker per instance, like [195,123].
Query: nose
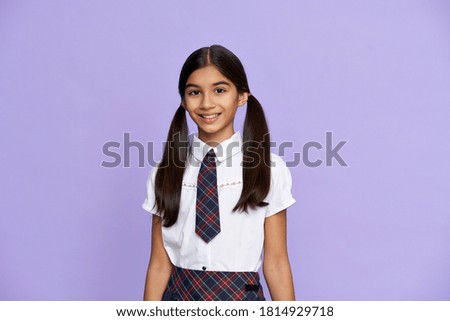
[207,102]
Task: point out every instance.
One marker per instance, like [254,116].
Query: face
[212,101]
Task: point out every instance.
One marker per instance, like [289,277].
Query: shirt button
[204,268]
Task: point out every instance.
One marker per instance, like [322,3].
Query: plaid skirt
[197,285]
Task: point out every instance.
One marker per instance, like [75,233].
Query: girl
[218,199]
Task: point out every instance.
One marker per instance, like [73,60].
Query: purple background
[76,74]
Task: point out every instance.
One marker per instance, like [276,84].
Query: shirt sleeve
[149,202]
[280,196]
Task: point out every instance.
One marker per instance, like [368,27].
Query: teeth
[210,116]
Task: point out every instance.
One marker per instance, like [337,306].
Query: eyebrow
[223,82]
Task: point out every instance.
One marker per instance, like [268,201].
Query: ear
[183,104]
[243,97]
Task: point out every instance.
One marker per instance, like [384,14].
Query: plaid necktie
[207,220]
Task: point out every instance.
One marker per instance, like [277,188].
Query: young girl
[218,199]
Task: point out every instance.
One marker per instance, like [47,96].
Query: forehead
[206,76]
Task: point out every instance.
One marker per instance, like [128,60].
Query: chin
[210,130]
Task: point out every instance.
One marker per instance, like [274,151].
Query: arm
[159,268]
[276,267]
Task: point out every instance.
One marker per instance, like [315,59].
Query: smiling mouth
[211,116]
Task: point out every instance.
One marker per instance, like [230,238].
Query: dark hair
[256,140]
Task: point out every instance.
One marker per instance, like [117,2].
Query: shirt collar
[224,150]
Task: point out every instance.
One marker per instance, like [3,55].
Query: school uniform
[226,267]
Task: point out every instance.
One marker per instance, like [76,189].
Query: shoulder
[149,202]
[276,160]
[280,194]
[278,166]
[152,173]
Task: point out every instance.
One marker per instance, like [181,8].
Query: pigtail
[256,157]
[169,176]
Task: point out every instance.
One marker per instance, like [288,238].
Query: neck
[213,139]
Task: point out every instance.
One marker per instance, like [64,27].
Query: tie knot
[210,157]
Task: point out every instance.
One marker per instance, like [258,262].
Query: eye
[220,90]
[194,92]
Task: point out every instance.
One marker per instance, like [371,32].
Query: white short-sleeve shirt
[239,245]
